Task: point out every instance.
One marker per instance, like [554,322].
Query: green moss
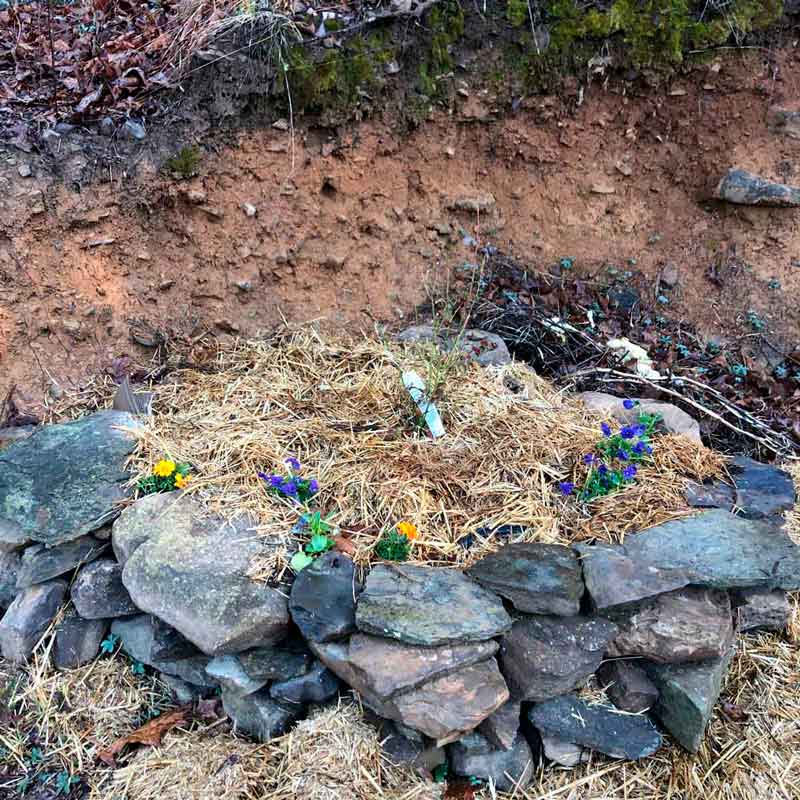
[446,23]
[184,164]
[517,12]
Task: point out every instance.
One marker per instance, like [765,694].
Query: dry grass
[341,409]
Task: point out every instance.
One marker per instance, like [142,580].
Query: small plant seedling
[300,561]
[185,163]
[137,668]
[109,644]
[65,782]
[36,756]
[393,546]
[755,321]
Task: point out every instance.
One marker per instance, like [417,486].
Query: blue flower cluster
[292,486]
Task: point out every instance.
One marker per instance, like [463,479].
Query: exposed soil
[352,227]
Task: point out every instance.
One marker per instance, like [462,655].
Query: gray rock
[28,617]
[229,673]
[258,715]
[627,685]
[184,693]
[597,727]
[278,663]
[567,754]
[138,522]
[615,579]
[488,349]
[16,434]
[406,746]
[315,686]
[502,727]
[134,130]
[761,609]
[168,644]
[474,756]
[98,593]
[710,495]
[744,188]
[690,624]
[78,641]
[688,693]
[65,480]
[761,489]
[536,578]
[192,670]
[546,656]
[323,598]
[783,120]
[9,570]
[415,605]
[721,550]
[192,573]
[40,564]
[381,668]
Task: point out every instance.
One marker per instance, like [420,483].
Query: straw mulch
[341,409]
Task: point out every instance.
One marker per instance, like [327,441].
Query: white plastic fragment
[416,388]
[633,352]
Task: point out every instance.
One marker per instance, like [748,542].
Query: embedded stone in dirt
[98,592]
[78,640]
[474,756]
[627,685]
[784,121]
[598,727]
[323,598]
[761,489]
[192,573]
[502,727]
[257,715]
[546,656]
[315,686]
[721,550]
[148,515]
[277,663]
[27,619]
[381,668]
[688,693]
[690,624]
[40,563]
[614,578]
[487,349]
[65,480]
[761,609]
[477,203]
[745,188]
[536,578]
[229,673]
[9,570]
[427,606]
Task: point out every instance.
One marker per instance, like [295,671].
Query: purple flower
[289,488]
[292,463]
[638,430]
[606,429]
[276,481]
[639,447]
[622,455]
[629,473]
[313,486]
[629,404]
[602,469]
[628,432]
[566,487]
[588,459]
[263,476]
[648,449]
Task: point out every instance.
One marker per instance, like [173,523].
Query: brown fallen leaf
[150,734]
[344,545]
[459,790]
[734,713]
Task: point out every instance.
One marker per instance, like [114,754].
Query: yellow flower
[408,529]
[164,469]
[182,481]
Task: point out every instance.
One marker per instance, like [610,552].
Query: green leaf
[36,756]
[319,543]
[137,668]
[300,561]
[108,644]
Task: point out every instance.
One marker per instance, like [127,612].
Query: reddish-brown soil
[350,230]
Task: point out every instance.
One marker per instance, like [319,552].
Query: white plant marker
[416,388]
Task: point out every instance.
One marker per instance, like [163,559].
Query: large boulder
[475,756]
[688,693]
[428,606]
[546,656]
[598,727]
[78,640]
[323,598]
[65,480]
[258,715]
[40,563]
[9,570]
[98,593]
[536,578]
[690,624]
[28,617]
[192,572]
[744,188]
[145,518]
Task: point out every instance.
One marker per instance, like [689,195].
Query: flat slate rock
[761,609]
[28,617]
[381,668]
[98,593]
[474,756]
[40,563]
[192,573]
[229,673]
[77,640]
[9,570]
[418,605]
[597,727]
[761,489]
[315,686]
[720,550]
[615,579]
[689,624]
[65,480]
[406,746]
[688,693]
[277,663]
[546,656]
[144,518]
[536,578]
[715,494]
[323,598]
[567,754]
[502,727]
[744,188]
[627,685]
[258,715]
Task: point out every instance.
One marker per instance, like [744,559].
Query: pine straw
[341,409]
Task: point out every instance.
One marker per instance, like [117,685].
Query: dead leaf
[88,100]
[344,545]
[149,734]
[459,790]
[734,713]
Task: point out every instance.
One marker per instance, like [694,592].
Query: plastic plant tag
[416,388]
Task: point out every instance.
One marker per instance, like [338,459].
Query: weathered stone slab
[488,349]
[40,563]
[761,609]
[98,593]
[277,663]
[761,489]
[627,685]
[257,715]
[502,727]
[65,480]
[78,641]
[536,578]
[474,756]
[148,516]
[315,686]
[416,605]
[228,672]
[710,495]
[744,188]
[546,656]
[598,727]
[9,570]
[567,754]
[28,617]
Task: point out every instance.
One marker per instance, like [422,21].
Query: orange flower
[182,481]
[408,529]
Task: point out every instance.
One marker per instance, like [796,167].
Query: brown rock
[627,686]
[761,609]
[502,727]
